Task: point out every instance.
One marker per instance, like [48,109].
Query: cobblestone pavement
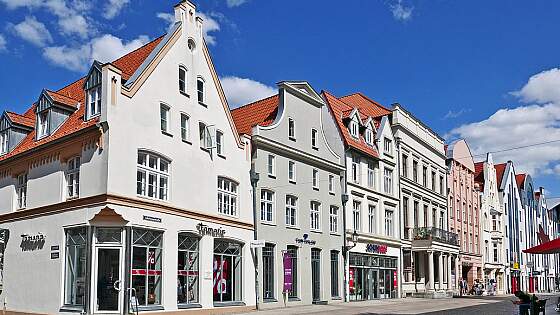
[456,306]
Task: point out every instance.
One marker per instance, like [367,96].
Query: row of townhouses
[136,189]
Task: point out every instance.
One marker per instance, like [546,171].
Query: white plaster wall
[7,192]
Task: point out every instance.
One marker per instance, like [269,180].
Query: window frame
[354,127]
[334,266]
[371,174]
[72,176]
[315,179]
[356,215]
[333,219]
[232,197]
[4,142]
[96,104]
[21,190]
[372,209]
[157,172]
[201,90]
[332,186]
[183,80]
[164,119]
[389,222]
[268,264]
[154,272]
[292,173]
[291,211]
[189,252]
[43,119]
[271,165]
[219,143]
[291,129]
[387,146]
[388,181]
[185,127]
[315,215]
[267,206]
[314,139]
[68,269]
[356,168]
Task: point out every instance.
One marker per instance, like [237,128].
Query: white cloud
[241,91]
[522,126]
[209,25]
[113,8]
[235,3]
[167,17]
[401,12]
[74,24]
[456,114]
[104,48]
[2,43]
[14,4]
[32,31]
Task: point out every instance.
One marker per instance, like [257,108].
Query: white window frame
[314,138]
[4,144]
[43,124]
[292,171]
[200,93]
[369,136]
[227,196]
[355,171]
[219,142]
[267,205]
[371,174]
[354,128]
[388,181]
[315,180]
[94,102]
[183,80]
[332,186]
[389,222]
[333,219]
[388,146]
[159,172]
[372,228]
[291,211]
[356,215]
[291,129]
[21,191]
[73,177]
[185,127]
[315,215]
[164,111]
[271,165]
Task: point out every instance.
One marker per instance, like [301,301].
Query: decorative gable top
[49,99]
[302,89]
[93,77]
[9,119]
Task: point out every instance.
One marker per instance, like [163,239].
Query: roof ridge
[373,101]
[137,49]
[257,101]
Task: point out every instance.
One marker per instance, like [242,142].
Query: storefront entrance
[372,277]
[108,268]
[316,273]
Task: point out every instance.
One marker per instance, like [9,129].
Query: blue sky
[482,70]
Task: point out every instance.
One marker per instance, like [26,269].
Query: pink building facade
[464,211]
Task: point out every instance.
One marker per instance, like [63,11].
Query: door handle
[117,285]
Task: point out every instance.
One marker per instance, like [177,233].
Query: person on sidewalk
[524,302]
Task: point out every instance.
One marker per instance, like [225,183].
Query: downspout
[401,272]
[254,180]
[344,198]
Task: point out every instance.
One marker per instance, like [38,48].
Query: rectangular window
[354,128]
[433,181]
[315,215]
[333,219]
[315,179]
[4,142]
[416,214]
[334,273]
[371,219]
[356,213]
[219,143]
[415,171]
[291,210]
[292,171]
[73,177]
[228,267]
[388,146]
[75,267]
[356,169]
[405,165]
[227,196]
[43,124]
[388,181]
[271,165]
[371,174]
[147,266]
[204,136]
[389,222]
[314,138]
[494,223]
[293,252]
[268,271]
[441,181]
[164,118]
[496,257]
[441,220]
[331,184]
[200,90]
[425,176]
[94,101]
[291,129]
[185,127]
[21,191]
[188,269]
[152,176]
[267,206]
[182,80]
[369,136]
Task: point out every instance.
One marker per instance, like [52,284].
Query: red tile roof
[520,179]
[20,120]
[262,113]
[500,170]
[365,106]
[74,93]
[63,99]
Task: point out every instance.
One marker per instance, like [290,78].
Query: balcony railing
[436,234]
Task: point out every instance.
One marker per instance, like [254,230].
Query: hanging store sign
[204,229]
[376,248]
[288,280]
[32,242]
[305,240]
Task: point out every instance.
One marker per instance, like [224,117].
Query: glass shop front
[372,277]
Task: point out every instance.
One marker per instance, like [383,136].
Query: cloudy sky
[486,71]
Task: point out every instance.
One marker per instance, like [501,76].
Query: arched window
[200,90]
[182,80]
[152,176]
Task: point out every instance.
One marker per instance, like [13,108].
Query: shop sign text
[204,229]
[151,219]
[305,240]
[32,242]
[376,248]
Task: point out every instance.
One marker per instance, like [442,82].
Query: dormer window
[3,142]
[42,124]
[94,101]
[353,128]
[369,136]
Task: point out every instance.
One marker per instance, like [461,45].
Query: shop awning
[551,247]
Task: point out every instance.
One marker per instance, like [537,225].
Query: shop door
[316,273]
[108,293]
[373,284]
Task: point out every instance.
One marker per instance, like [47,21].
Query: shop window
[75,267]
[293,252]
[268,271]
[227,196]
[187,269]
[146,266]
[227,271]
[73,177]
[152,176]
[334,273]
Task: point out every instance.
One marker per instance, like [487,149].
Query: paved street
[456,306]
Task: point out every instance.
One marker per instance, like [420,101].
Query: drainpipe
[254,180]
[401,271]
[344,243]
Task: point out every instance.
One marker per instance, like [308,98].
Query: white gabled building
[129,188]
